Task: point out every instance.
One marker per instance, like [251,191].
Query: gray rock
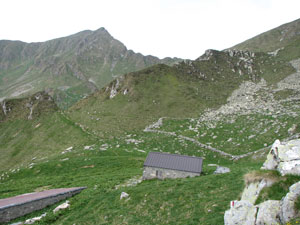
[268,213]
[242,213]
[221,169]
[286,158]
[124,195]
[288,211]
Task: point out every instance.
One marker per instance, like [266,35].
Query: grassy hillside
[227,107]
[46,133]
[185,201]
[274,39]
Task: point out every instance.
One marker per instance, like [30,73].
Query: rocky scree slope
[70,67]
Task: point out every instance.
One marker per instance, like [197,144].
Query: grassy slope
[185,201]
[274,39]
[48,133]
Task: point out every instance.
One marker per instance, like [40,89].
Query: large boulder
[221,169]
[240,213]
[268,213]
[285,157]
[288,211]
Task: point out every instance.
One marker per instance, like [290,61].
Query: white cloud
[182,28]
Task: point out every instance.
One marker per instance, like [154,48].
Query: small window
[157,173]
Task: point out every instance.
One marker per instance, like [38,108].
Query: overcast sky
[176,28]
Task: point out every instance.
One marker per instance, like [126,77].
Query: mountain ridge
[82,62]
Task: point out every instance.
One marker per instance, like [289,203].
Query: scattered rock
[103,147]
[64,159]
[62,206]
[33,220]
[212,165]
[124,195]
[131,182]
[221,169]
[88,147]
[67,150]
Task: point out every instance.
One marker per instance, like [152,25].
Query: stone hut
[163,165]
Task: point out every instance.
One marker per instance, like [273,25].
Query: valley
[227,107]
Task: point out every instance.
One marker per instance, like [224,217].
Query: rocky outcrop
[241,212]
[288,211]
[268,213]
[284,157]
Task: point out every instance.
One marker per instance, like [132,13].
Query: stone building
[163,165]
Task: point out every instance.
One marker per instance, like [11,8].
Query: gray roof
[174,162]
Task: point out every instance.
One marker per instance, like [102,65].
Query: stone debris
[67,150]
[88,147]
[221,170]
[124,195]
[134,141]
[103,147]
[62,206]
[155,125]
[34,219]
[131,182]
[65,159]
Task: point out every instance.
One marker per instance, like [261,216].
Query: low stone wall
[160,173]
[14,211]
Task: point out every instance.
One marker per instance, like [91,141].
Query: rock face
[268,213]
[288,211]
[242,212]
[285,157]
